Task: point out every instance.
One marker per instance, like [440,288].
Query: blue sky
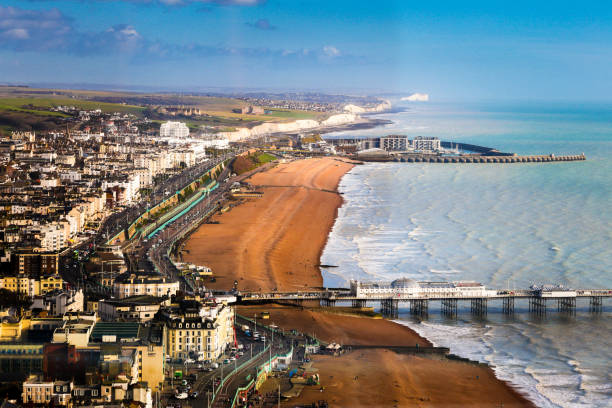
[453,50]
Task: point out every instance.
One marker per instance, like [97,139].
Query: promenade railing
[262,369]
[234,371]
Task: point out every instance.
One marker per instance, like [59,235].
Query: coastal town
[289,204]
[150,258]
[118,289]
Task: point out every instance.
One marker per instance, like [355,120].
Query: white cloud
[331,51]
[17,34]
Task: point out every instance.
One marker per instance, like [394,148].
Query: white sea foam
[496,225]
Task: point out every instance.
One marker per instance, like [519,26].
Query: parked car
[193,395]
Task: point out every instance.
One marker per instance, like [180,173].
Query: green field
[7,105]
[265,158]
[23,108]
[17,104]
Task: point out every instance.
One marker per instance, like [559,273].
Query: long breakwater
[428,158]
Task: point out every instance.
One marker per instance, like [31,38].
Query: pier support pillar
[328,302]
[595,305]
[449,307]
[389,307]
[359,303]
[419,307]
[508,305]
[537,305]
[479,306]
[567,305]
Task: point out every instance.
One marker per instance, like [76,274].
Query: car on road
[181,396]
[193,395]
[189,361]
[226,361]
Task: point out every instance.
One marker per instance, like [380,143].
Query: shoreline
[255,243]
[295,179]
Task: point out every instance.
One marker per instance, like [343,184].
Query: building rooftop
[122,330]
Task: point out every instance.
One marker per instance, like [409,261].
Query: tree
[14,299]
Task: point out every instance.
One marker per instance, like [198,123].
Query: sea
[504,225]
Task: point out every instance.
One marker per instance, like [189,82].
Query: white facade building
[174,129]
[430,144]
[52,237]
[396,143]
[131,284]
[37,391]
[412,289]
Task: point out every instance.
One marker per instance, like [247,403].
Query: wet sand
[276,241]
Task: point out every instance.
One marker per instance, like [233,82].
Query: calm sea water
[505,225]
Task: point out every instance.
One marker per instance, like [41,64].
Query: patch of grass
[242,164]
[265,158]
[13,120]
[312,139]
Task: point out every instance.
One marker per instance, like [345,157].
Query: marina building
[394,143]
[426,144]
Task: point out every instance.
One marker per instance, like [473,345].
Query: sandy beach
[338,328]
[273,242]
[383,378]
[386,378]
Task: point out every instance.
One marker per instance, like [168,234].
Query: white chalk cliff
[351,116]
[358,109]
[302,124]
[416,97]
